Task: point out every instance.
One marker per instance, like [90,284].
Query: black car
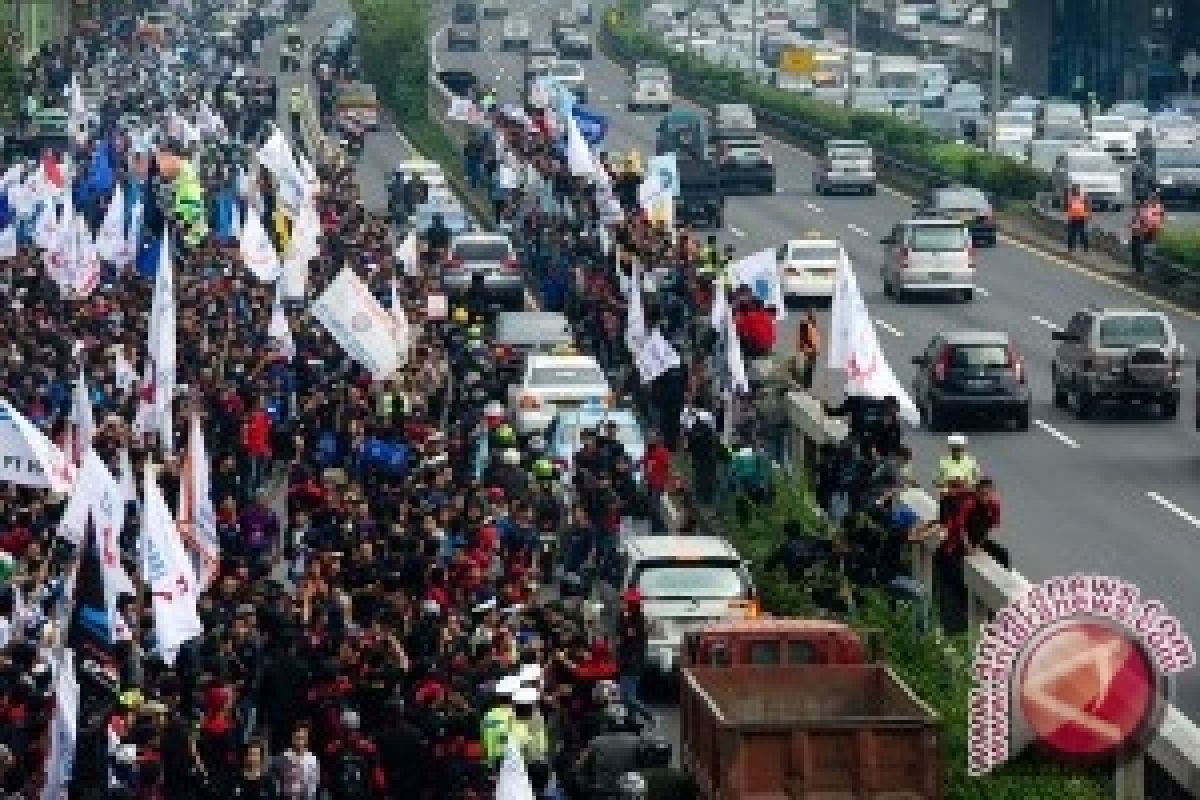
[745,165]
[971,373]
[1171,171]
[970,206]
[701,199]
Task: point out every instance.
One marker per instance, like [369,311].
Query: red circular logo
[1087,689]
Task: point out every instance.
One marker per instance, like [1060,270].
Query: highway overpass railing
[1170,768]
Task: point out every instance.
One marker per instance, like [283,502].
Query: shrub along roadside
[1180,246]
[936,668]
[813,121]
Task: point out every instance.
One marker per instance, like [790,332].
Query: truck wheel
[967,295]
[871,190]
[1061,398]
[1170,409]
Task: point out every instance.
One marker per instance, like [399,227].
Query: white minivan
[929,254]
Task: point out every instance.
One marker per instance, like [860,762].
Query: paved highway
[1115,495]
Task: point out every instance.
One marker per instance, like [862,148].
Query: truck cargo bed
[847,732]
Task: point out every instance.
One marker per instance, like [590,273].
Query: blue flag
[592,125]
[147,257]
[6,212]
[100,178]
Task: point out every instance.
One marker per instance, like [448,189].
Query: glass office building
[1114,49]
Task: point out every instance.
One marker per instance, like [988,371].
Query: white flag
[720,304]
[655,357]
[278,331]
[733,355]
[28,457]
[136,217]
[513,781]
[81,417]
[83,267]
[97,492]
[167,569]
[408,255]
[64,728]
[127,485]
[124,376]
[258,252]
[293,189]
[579,156]
[403,331]
[161,346]
[359,323]
[760,271]
[110,239]
[854,347]
[77,113]
[197,520]
[635,321]
[8,242]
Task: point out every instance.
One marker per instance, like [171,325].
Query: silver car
[1093,171]
[929,254]
[492,256]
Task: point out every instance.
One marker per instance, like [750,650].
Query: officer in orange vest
[1078,210]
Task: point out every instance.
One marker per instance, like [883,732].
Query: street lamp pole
[997,7]
[850,72]
[754,40]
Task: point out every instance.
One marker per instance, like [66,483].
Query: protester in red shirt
[975,517]
[755,329]
[256,441]
[656,466]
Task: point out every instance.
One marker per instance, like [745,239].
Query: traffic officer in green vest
[710,259]
[956,466]
[498,721]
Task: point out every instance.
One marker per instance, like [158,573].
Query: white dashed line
[1057,434]
[859,230]
[894,331]
[982,292]
[1045,322]
[812,208]
[738,232]
[1174,509]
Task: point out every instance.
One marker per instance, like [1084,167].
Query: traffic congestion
[327,478]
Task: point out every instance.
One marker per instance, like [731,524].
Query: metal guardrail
[1175,750]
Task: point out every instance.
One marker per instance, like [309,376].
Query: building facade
[1114,49]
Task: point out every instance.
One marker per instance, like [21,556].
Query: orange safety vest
[1077,207]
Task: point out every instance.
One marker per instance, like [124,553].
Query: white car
[651,89]
[808,267]
[1115,136]
[551,383]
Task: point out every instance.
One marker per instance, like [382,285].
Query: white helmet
[511,456]
[956,440]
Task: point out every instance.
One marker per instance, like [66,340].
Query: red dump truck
[814,723]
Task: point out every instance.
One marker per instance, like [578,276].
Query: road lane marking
[1045,322]
[1174,509]
[858,229]
[1057,434]
[893,330]
[812,208]
[982,292]
[738,232]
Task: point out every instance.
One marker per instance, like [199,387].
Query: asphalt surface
[1116,495]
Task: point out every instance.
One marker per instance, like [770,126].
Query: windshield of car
[1089,162]
[979,355]
[556,377]
[1100,125]
[1132,331]
[653,74]
[1181,158]
[481,251]
[956,199]
[693,579]
[813,252]
[849,154]
[937,237]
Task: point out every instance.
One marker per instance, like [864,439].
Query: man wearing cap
[498,722]
[528,731]
[958,464]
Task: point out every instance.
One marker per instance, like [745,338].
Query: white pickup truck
[651,87]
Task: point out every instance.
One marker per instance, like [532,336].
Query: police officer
[528,732]
[957,465]
[497,723]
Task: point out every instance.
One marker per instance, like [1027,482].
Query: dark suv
[974,373]
[1128,356]
[1172,171]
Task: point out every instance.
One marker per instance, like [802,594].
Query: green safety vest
[965,469]
[530,736]
[494,732]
